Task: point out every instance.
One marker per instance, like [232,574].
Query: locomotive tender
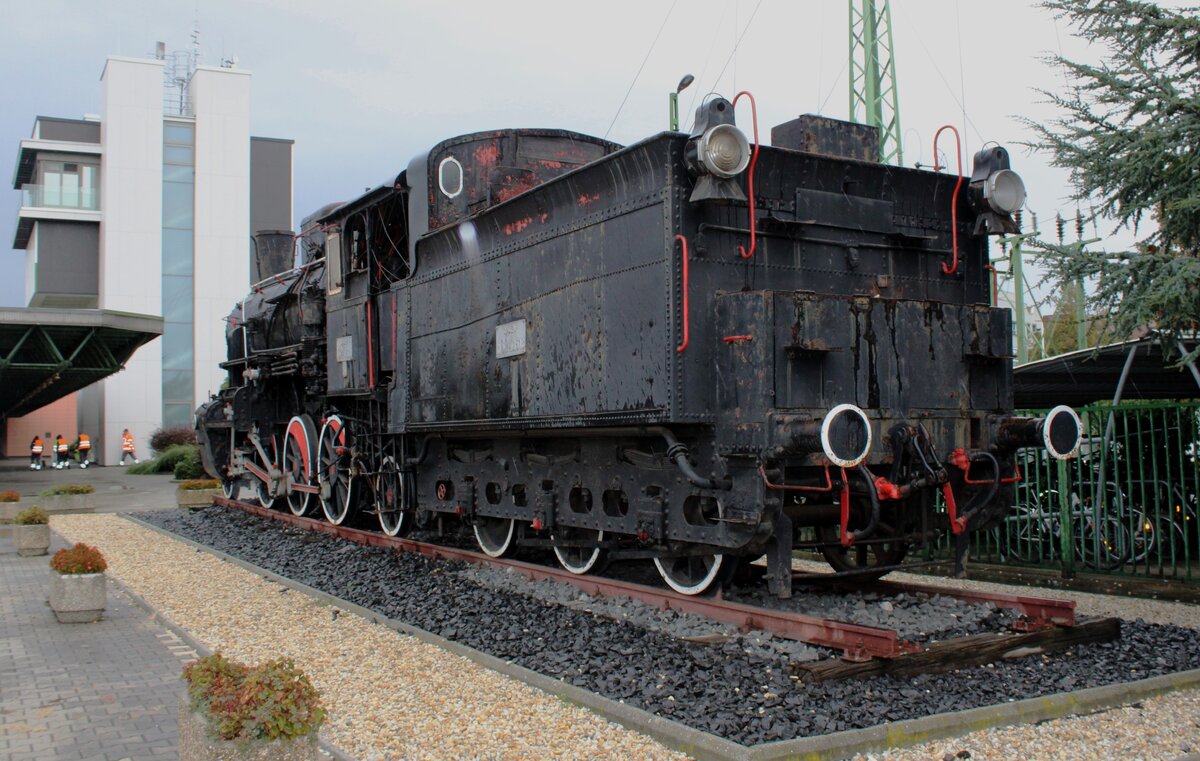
[694,350]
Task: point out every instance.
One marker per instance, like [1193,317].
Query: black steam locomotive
[693,350]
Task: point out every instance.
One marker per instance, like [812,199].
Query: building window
[178,266]
[64,185]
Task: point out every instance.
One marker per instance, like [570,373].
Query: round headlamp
[723,151]
[1004,191]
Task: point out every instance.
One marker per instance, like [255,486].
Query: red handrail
[750,179]
[953,201]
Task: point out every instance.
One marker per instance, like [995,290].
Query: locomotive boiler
[695,350]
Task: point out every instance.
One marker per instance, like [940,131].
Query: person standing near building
[127,449]
[35,453]
[83,445]
[60,453]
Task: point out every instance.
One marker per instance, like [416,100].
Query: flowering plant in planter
[244,708]
[32,532]
[197,492]
[78,590]
[69,498]
[10,496]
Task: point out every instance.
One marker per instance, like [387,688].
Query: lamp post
[674,100]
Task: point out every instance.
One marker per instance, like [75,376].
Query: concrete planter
[68,503]
[9,510]
[195,744]
[195,497]
[31,540]
[77,598]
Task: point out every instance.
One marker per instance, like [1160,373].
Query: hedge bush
[165,438]
[10,496]
[181,460]
[32,516]
[61,489]
[270,701]
[81,558]
[199,484]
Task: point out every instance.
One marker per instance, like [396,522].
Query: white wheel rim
[333,427]
[563,557]
[265,498]
[693,589]
[496,552]
[394,529]
[230,488]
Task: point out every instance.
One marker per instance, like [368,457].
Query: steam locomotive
[695,350]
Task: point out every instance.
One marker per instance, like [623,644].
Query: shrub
[55,491]
[189,467]
[165,438]
[199,484]
[270,701]
[10,496]
[81,558]
[32,516]
[169,460]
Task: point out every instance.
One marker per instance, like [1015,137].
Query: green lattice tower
[873,97]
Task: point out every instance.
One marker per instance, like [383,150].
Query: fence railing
[1126,505]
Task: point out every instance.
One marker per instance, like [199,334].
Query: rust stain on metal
[585,199]
[515,227]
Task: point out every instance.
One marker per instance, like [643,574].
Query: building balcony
[55,197]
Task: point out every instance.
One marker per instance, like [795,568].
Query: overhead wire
[639,71]
[742,36]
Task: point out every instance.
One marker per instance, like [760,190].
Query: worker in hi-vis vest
[127,447]
[83,445]
[35,453]
[60,452]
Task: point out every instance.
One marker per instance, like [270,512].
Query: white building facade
[155,218]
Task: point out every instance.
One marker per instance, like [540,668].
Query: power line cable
[639,71]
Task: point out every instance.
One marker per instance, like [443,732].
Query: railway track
[1045,624]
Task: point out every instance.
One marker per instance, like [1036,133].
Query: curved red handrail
[750,180]
[953,201]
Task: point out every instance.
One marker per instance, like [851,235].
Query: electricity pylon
[873,97]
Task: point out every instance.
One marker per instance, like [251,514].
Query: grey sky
[363,86]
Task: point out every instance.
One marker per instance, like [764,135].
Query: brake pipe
[950,270]
[750,178]
[962,459]
[683,241]
[762,471]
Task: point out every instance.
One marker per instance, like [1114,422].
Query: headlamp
[723,151]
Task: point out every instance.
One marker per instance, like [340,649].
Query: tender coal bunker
[718,688]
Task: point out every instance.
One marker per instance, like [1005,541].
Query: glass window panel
[177,252]
[51,189]
[178,414]
[177,386]
[177,133]
[177,298]
[177,154]
[89,184]
[177,346]
[178,173]
[70,190]
[178,201]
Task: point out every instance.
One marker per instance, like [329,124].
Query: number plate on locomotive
[510,339]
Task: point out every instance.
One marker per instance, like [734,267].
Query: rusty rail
[857,643]
[1040,611]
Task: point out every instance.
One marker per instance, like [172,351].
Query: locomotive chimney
[274,252]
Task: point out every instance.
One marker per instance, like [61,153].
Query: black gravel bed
[717,688]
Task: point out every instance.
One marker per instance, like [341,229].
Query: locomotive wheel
[334,469]
[389,499]
[862,557]
[297,468]
[231,487]
[495,535]
[580,560]
[690,574]
[262,489]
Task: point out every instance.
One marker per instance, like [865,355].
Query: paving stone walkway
[103,691]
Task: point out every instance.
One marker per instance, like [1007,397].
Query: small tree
[1130,136]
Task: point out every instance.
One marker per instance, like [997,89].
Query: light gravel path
[390,696]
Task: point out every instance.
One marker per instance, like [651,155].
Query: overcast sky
[363,86]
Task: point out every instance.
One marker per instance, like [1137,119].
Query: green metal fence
[1126,505]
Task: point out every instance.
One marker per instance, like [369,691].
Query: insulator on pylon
[1060,224]
[1017,217]
[1078,225]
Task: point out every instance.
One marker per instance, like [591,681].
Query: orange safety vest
[84,441]
[37,447]
[127,442]
[61,445]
